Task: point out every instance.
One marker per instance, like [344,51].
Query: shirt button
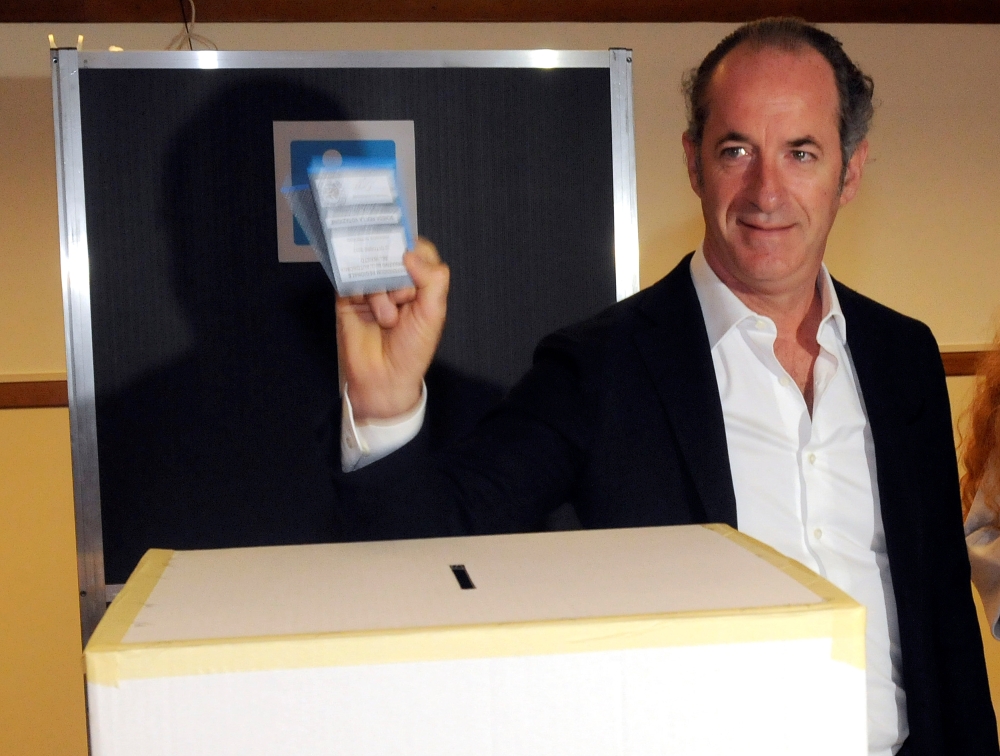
[817,533]
[761,325]
[785,381]
[812,459]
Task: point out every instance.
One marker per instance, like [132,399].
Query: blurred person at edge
[981,484]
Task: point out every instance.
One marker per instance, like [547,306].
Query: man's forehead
[756,60]
[751,67]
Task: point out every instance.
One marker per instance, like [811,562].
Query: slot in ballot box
[673,640]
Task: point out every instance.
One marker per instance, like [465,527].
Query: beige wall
[31,334]
[41,681]
[922,237]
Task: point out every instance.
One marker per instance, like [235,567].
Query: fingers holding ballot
[386,340]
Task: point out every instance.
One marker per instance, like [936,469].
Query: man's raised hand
[387,340]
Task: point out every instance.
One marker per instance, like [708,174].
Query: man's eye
[801,156]
[734,152]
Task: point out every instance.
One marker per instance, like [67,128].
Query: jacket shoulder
[887,345]
[870,317]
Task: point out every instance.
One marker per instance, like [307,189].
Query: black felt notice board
[215,365]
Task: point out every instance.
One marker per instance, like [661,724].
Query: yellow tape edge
[109,661]
[124,610]
[109,666]
[849,640]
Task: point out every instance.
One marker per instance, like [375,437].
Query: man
[745,387]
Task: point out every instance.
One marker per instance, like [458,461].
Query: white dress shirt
[804,485]
[361,445]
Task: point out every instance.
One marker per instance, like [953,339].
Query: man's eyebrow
[732,136]
[804,141]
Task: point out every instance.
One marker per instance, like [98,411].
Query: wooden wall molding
[37,394]
[580,11]
[961,363]
[33,394]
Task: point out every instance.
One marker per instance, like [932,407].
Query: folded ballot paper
[354,218]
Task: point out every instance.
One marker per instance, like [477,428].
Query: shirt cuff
[363,444]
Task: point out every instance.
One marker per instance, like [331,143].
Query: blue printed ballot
[352,214]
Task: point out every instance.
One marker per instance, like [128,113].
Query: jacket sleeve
[518,464]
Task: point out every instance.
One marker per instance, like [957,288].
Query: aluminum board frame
[211,59]
[75,269]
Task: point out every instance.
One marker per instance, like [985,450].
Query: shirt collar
[723,310]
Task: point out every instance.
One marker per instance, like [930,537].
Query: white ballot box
[680,640]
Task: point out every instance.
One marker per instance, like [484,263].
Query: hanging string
[187,36]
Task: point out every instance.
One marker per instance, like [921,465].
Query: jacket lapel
[674,345]
[891,404]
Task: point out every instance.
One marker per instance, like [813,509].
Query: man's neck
[797,312]
[788,307]
[798,349]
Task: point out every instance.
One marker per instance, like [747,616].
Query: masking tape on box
[848,644]
[130,599]
[110,661]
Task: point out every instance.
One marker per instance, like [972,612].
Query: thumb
[422,261]
[431,278]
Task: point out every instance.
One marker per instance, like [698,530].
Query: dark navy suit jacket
[621,415]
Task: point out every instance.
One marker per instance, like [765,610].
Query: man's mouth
[763,227]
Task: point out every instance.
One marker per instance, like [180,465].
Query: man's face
[770,169]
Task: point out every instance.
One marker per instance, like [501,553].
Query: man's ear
[852,176]
[691,155]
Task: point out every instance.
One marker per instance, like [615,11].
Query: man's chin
[770,263]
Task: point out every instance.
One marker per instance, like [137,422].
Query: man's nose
[763,184]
